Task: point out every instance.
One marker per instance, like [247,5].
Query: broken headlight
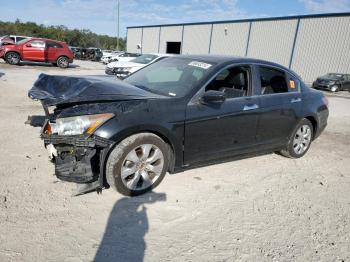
[78,125]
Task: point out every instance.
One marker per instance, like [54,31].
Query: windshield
[174,76]
[333,76]
[144,59]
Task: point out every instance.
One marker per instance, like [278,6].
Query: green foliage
[75,37]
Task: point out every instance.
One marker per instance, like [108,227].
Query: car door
[281,105]
[51,51]
[34,50]
[215,130]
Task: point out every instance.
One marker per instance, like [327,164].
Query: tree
[75,37]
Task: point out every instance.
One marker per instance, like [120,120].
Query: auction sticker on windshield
[200,64]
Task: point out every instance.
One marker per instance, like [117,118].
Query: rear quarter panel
[314,106]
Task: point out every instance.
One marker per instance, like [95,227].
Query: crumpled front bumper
[78,158]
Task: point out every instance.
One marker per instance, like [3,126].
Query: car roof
[220,59]
[46,39]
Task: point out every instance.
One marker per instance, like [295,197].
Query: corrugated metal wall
[196,39]
[322,46]
[312,46]
[229,39]
[150,40]
[272,40]
[169,34]
[133,39]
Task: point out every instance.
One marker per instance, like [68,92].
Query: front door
[34,50]
[222,129]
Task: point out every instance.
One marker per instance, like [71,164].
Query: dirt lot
[258,209]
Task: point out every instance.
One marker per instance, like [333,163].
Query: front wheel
[12,58]
[137,164]
[335,88]
[300,140]
[62,62]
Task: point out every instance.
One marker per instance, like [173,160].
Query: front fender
[117,133]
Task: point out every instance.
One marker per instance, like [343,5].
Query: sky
[100,16]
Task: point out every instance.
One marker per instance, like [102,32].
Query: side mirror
[213,97]
[28,45]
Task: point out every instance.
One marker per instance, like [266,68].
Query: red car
[38,50]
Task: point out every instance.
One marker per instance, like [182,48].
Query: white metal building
[311,45]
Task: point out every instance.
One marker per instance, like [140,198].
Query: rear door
[219,130]
[34,50]
[52,49]
[281,106]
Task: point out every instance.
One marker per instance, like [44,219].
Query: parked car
[6,40]
[333,82]
[38,50]
[12,38]
[122,69]
[175,114]
[119,57]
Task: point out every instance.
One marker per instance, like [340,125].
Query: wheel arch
[13,51]
[314,123]
[175,148]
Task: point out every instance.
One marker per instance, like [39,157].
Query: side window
[272,81]
[50,44]
[19,38]
[38,44]
[232,81]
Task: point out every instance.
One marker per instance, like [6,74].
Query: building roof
[250,20]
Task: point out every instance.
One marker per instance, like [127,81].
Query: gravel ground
[257,209]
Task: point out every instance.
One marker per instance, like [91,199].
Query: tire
[300,140]
[335,88]
[138,164]
[12,58]
[62,62]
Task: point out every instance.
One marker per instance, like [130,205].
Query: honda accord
[178,113]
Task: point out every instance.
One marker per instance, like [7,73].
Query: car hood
[55,90]
[124,64]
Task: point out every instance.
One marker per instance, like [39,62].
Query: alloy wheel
[142,167]
[13,58]
[302,139]
[62,62]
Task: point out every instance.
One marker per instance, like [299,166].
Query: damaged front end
[75,107]
[78,158]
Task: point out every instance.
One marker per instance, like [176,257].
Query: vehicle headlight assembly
[79,125]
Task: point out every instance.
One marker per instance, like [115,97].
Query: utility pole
[118,25]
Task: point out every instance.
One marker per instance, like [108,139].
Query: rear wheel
[62,62]
[137,164]
[300,140]
[12,58]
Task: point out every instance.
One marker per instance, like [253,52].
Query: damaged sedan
[178,113]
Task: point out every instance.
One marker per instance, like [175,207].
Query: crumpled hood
[54,90]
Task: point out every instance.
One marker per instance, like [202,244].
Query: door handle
[250,107]
[295,100]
